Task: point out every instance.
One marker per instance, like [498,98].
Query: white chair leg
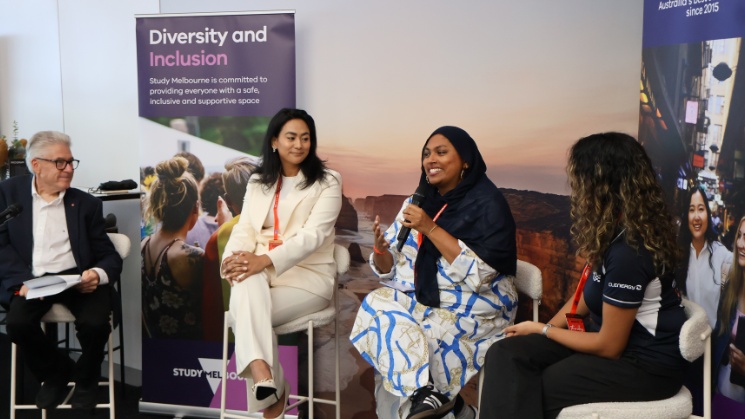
[336,348]
[311,392]
[44,411]
[112,410]
[12,381]
[481,386]
[707,375]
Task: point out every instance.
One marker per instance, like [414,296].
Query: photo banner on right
[691,107]
[692,100]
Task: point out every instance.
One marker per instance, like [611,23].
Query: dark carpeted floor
[126,406]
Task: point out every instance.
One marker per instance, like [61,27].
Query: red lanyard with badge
[276,242]
[574,320]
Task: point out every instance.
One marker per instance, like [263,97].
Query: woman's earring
[427,177]
[463,171]
[274,149]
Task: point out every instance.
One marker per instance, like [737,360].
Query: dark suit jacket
[91,247]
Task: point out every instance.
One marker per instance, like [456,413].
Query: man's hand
[88,281]
[23,291]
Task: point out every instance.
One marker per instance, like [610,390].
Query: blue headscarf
[477,214]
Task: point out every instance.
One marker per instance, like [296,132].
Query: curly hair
[173,194]
[614,188]
[734,287]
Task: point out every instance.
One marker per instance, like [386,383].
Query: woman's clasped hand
[243,264]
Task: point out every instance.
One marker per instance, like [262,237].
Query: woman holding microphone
[451,278]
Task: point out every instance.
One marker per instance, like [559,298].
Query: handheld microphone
[11,211]
[416,199]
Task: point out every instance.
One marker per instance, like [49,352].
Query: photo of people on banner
[208,87]
[690,122]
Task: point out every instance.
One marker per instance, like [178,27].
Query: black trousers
[91,313]
[534,377]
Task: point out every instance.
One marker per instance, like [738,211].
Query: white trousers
[256,308]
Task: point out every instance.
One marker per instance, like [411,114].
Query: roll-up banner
[692,102]
[208,86]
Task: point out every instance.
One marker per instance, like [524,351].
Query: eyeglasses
[62,164]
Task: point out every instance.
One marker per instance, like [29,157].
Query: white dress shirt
[52,251]
[704,284]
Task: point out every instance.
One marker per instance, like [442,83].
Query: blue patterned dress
[407,342]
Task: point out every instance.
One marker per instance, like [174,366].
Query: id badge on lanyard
[276,241]
[575,321]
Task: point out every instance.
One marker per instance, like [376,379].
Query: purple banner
[234,65]
[208,85]
[190,373]
[669,22]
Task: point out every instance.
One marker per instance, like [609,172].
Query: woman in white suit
[279,259]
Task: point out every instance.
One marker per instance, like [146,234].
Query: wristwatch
[544,332]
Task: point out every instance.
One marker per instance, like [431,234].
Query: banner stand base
[181,411]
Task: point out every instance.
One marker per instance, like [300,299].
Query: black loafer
[84,397]
[54,390]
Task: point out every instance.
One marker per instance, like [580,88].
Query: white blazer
[307,217]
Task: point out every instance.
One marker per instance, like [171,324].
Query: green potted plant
[17,154]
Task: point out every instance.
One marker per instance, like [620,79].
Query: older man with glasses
[59,230]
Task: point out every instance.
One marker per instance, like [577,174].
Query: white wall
[30,87]
[99,86]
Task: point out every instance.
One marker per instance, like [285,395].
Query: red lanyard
[276,203]
[420,236]
[581,286]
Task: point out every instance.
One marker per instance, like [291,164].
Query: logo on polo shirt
[625,286]
[596,277]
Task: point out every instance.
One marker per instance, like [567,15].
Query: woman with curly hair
[172,269]
[627,347]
